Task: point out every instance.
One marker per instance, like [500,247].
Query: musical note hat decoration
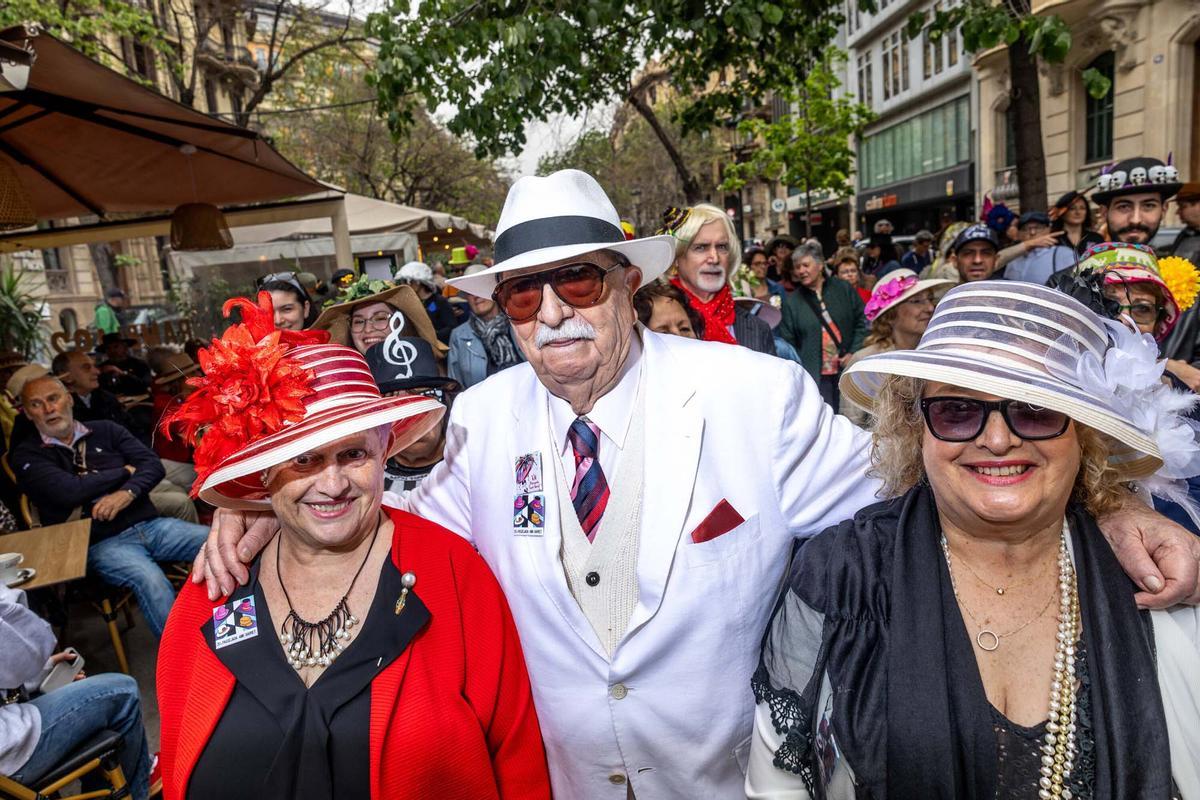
[404,363]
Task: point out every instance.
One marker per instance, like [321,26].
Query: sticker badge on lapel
[529,514]
[529,474]
[234,622]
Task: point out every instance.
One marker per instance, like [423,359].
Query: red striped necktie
[589,491]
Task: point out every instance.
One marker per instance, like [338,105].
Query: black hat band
[537,234]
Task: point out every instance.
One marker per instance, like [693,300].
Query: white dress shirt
[611,414]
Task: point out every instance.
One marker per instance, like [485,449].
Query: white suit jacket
[672,711]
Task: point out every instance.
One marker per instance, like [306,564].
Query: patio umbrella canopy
[367,215]
[83,139]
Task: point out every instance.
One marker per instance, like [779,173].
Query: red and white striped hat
[344,401]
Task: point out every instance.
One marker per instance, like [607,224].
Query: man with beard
[1134,197]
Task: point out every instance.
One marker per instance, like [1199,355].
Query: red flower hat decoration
[249,389]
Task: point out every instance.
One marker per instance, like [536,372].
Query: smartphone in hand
[63,672]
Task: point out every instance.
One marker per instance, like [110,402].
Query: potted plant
[21,327]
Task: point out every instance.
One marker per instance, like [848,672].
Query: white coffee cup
[10,565]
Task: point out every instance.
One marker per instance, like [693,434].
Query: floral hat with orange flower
[268,395]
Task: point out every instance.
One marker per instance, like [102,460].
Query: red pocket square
[720,521]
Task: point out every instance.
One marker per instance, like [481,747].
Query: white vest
[613,553]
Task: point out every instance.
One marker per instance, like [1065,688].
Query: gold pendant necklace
[1000,590]
[987,639]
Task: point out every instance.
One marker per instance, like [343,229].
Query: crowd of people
[657,517]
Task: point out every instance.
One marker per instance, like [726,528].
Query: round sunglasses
[579,285]
[961,419]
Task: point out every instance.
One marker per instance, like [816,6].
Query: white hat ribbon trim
[1130,378]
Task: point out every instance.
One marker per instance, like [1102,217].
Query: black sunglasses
[961,419]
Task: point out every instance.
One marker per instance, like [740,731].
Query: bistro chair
[100,753]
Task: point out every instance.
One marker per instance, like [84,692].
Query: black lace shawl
[869,603]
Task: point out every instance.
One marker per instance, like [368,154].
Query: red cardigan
[452,717]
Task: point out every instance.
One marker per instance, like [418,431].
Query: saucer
[24,575]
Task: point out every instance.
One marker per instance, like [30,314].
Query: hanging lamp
[196,225]
[16,206]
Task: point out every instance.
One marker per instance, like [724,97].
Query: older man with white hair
[99,470]
[638,527]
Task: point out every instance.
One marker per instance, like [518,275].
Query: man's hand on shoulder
[235,539]
[1160,556]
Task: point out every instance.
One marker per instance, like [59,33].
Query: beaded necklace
[317,644]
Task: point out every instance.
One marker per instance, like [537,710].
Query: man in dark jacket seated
[131,374]
[100,470]
[78,372]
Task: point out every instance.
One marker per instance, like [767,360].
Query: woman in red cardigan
[372,654]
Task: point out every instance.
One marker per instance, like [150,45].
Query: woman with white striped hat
[974,636]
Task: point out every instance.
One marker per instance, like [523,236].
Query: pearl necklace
[1058,751]
[1058,747]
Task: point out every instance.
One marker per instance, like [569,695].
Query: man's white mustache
[569,328]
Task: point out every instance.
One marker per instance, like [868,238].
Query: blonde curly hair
[898,431]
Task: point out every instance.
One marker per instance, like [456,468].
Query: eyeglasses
[579,285]
[961,419]
[374,322]
[1144,313]
[921,300]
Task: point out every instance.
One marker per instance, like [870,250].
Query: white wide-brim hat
[562,215]
[1019,341]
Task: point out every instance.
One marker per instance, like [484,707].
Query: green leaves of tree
[500,63]
[810,147]
[1048,37]
[1096,83]
[985,25]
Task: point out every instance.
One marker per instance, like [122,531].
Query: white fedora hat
[1031,343]
[562,215]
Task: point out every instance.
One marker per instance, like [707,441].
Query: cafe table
[57,552]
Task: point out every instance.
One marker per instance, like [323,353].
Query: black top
[1019,748]
[104,405]
[278,739]
[59,479]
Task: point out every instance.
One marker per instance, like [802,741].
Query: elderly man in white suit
[637,496]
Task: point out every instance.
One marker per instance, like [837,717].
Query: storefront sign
[877,202]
